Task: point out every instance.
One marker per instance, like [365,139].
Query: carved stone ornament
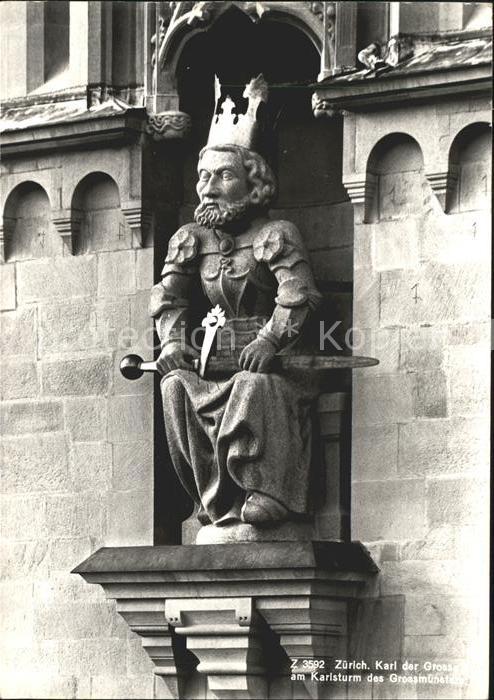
[168,125]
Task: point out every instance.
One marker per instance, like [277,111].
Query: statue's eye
[227,175]
[204,175]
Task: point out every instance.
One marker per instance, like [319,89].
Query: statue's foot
[262,510]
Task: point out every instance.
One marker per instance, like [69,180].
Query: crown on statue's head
[231,127]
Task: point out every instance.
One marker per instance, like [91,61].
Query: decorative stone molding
[168,125]
[443,184]
[253,596]
[224,634]
[138,217]
[6,230]
[68,225]
[360,189]
[322,107]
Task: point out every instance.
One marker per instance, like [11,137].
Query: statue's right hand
[176,355]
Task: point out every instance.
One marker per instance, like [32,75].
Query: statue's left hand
[257,355]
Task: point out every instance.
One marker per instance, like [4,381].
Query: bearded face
[223,189]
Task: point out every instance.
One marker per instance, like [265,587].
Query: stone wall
[421,419]
[76,437]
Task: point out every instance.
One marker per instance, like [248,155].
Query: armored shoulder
[183,246]
[279,243]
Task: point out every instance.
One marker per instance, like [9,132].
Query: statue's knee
[172,388]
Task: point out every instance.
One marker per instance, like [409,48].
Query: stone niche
[233,620]
[28,231]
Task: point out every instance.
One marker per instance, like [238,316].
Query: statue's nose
[211,188]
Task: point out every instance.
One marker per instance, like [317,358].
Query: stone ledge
[327,556]
[235,614]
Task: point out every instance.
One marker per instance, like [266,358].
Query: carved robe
[230,435]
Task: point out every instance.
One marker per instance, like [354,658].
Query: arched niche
[395,178]
[96,206]
[184,23]
[470,169]
[27,227]
[305,153]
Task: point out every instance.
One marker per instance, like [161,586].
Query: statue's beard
[222,213]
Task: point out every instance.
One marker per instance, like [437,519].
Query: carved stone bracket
[7,227]
[68,225]
[443,185]
[138,217]
[360,189]
[228,606]
[224,634]
[168,125]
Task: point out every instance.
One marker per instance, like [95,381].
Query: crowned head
[234,182]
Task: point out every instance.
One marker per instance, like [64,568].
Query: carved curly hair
[259,175]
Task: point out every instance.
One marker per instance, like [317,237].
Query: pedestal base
[242,532]
[236,615]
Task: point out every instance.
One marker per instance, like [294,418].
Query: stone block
[333,265]
[438,543]
[395,244]
[85,419]
[138,662]
[18,333]
[470,334]
[130,519]
[91,466]
[430,395]
[19,380]
[16,605]
[132,466]
[322,226]
[382,399]
[377,629]
[457,501]
[422,347]
[374,452]
[77,620]
[435,293]
[400,194]
[469,381]
[35,463]
[60,277]
[362,247]
[463,238]
[145,268]
[438,447]
[142,325]
[74,516]
[401,512]
[63,587]
[7,287]
[112,323]
[86,376]
[65,554]
[140,686]
[21,560]
[435,648]
[385,346]
[23,417]
[85,657]
[22,517]
[366,300]
[66,326]
[116,273]
[422,578]
[440,615]
[130,418]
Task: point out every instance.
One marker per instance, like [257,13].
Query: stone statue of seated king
[240,441]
